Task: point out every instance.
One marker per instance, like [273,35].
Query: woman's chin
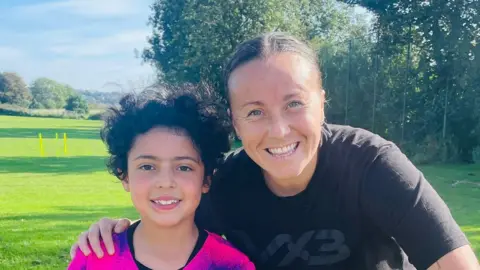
[283,175]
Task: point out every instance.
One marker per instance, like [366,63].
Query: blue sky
[88,44]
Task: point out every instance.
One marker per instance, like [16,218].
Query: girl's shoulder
[223,255]
[121,257]
[216,241]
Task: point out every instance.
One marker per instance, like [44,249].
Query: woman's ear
[234,124]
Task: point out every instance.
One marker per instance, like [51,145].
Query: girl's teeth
[162,202]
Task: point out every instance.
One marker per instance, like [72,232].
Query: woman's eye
[254,113]
[147,167]
[294,104]
[184,168]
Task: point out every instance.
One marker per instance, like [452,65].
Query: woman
[304,194]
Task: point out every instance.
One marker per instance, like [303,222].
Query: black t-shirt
[366,207]
[202,236]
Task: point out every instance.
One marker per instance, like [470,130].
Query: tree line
[411,74]
[43,93]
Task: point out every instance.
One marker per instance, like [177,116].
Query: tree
[427,76]
[413,77]
[13,90]
[77,104]
[50,94]
[191,39]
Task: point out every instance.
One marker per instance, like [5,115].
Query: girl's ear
[126,184]
[206,184]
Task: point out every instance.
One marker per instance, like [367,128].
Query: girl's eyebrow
[175,158]
[187,158]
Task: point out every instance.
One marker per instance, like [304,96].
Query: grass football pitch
[48,197]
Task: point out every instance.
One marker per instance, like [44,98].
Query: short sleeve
[248,265]
[397,198]
[79,262]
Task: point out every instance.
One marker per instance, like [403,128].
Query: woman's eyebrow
[258,103]
[290,96]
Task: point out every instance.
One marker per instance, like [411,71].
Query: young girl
[164,150]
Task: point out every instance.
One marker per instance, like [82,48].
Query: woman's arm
[398,199]
[461,258]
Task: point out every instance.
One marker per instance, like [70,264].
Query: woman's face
[277,107]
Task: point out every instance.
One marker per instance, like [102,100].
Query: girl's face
[277,107]
[165,177]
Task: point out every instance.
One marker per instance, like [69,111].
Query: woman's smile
[283,151]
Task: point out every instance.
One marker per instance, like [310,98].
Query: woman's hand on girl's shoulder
[90,240]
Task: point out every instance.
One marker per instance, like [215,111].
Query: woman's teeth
[169,202]
[283,150]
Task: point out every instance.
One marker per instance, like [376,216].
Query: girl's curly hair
[192,110]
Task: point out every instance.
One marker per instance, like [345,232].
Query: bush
[96,116]
[77,104]
[13,110]
[432,150]
[476,154]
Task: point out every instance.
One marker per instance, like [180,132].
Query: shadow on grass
[61,165]
[76,214]
[72,133]
[66,222]
[44,239]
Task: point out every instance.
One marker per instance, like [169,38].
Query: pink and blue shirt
[212,252]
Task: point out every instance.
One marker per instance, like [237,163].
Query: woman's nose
[279,127]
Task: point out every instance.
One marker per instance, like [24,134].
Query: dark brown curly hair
[192,110]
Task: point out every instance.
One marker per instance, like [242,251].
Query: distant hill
[100,99]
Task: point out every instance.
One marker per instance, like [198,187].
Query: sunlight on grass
[47,201]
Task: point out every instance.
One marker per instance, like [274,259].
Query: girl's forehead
[166,141]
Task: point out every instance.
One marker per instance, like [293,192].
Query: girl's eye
[254,113]
[184,169]
[294,104]
[147,167]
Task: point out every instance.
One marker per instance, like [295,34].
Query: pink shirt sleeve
[218,253]
[249,266]
[79,262]
[121,259]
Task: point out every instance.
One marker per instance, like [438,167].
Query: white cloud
[81,73]
[122,42]
[95,8]
[95,73]
[84,43]
[84,63]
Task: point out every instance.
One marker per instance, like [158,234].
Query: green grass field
[46,201]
